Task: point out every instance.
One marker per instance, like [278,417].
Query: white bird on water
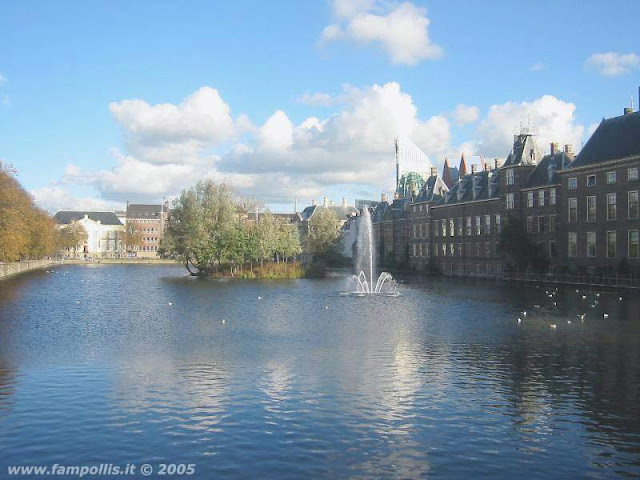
[524,314]
[581,317]
[619,299]
[259,297]
[170,303]
[519,320]
[223,321]
[605,315]
[553,326]
[569,322]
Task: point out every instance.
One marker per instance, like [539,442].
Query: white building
[104,231]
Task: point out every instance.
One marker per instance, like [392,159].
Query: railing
[601,280]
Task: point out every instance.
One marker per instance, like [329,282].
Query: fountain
[365,282]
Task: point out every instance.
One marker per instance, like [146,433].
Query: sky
[107,102]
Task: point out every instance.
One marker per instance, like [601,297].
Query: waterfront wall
[10,269]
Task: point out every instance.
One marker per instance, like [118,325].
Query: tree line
[206,231]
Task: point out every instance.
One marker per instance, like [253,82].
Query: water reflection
[440,382]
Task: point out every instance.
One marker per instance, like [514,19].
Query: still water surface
[133,364]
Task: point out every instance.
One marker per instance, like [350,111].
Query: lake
[133,364]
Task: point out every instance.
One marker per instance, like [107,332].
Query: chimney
[628,110]
[314,203]
[496,163]
[554,148]
[383,197]
[568,149]
[434,172]
[474,168]
[324,201]
[487,167]
[344,202]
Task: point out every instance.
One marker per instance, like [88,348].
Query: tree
[323,231]
[26,231]
[201,227]
[132,237]
[518,247]
[71,236]
[289,240]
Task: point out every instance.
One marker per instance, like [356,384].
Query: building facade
[148,223]
[104,231]
[574,215]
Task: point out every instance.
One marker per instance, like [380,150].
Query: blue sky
[293,99]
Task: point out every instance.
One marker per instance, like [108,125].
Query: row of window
[462,226]
[150,239]
[633,209]
[542,197]
[489,249]
[633,243]
[610,177]
[542,224]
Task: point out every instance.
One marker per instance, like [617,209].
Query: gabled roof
[525,151]
[449,174]
[485,184]
[433,190]
[540,175]
[379,212]
[341,212]
[65,217]
[135,210]
[615,138]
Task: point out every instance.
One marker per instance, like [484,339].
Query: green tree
[288,240]
[323,231]
[518,248]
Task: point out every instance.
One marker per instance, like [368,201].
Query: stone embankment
[10,269]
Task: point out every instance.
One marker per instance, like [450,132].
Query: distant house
[104,230]
[149,223]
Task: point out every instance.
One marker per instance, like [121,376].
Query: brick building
[149,222]
[581,214]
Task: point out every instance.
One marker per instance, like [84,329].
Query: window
[415,231]
[573,210]
[633,204]
[468,226]
[487,249]
[541,198]
[435,250]
[478,249]
[510,177]
[632,173]
[611,177]
[452,227]
[530,224]
[487,224]
[591,180]
[529,199]
[443,223]
[451,249]
[426,230]
[541,222]
[611,206]
[573,183]
[552,196]
[444,249]
[553,249]
[591,209]
[510,201]
[573,244]
[591,244]
[633,243]
[553,223]
[436,228]
[477,225]
[498,229]
[459,250]
[459,226]
[414,249]
[611,244]
[426,249]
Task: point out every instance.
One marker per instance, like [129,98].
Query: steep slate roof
[341,213]
[615,138]
[525,151]
[433,190]
[540,175]
[379,212]
[135,210]
[485,183]
[65,217]
[449,174]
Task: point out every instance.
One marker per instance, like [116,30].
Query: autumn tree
[132,237]
[71,236]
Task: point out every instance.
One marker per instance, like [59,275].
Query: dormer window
[591,180]
[510,177]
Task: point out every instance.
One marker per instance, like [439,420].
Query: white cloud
[317,99]
[3,79]
[54,199]
[464,114]
[553,118]
[537,67]
[277,133]
[613,64]
[400,29]
[161,133]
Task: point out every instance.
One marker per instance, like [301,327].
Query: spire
[446,173]
[462,171]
